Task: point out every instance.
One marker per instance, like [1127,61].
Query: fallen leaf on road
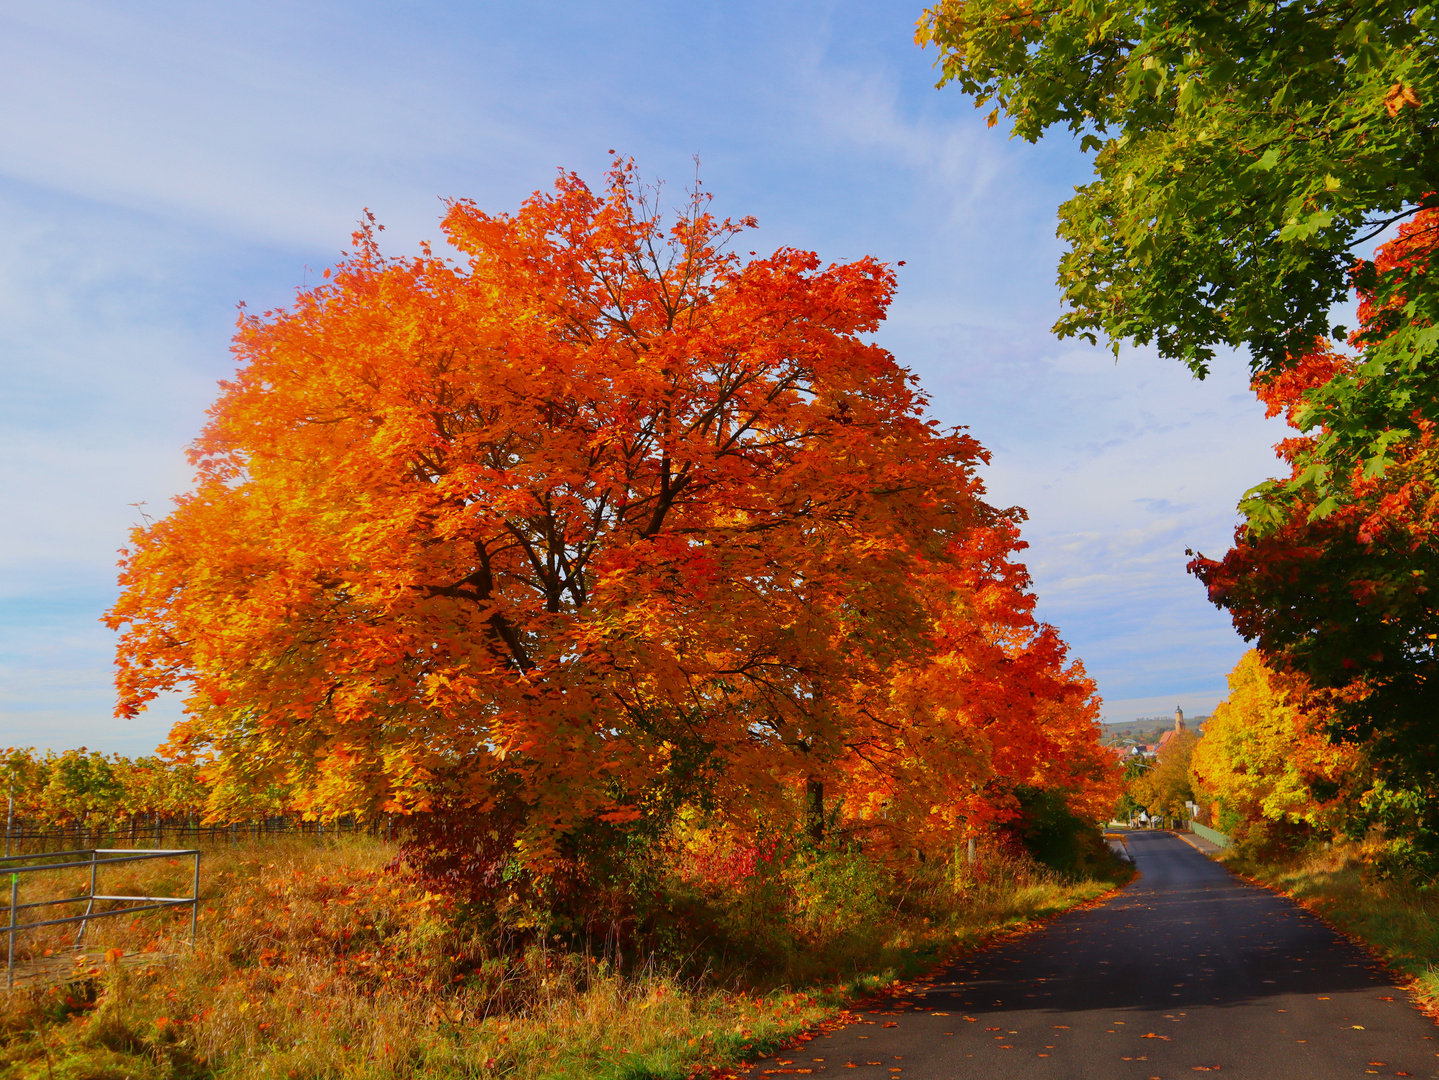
[1357,1027]
[1151,1035]
[890,1023]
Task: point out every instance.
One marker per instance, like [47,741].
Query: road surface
[1188,971]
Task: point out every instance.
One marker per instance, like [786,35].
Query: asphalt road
[1189,970]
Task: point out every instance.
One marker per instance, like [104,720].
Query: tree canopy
[86,787]
[1244,154]
[1340,592]
[599,521]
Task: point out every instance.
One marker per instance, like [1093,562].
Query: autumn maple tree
[598,521]
[1164,788]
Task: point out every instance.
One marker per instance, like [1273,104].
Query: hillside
[1144,729]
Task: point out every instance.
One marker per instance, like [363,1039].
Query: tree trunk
[814,808]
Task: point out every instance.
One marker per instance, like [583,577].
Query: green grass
[314,961]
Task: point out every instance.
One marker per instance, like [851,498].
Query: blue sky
[165,161]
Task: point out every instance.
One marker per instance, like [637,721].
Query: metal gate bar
[93,863]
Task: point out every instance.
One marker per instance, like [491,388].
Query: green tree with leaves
[1244,154]
[1127,808]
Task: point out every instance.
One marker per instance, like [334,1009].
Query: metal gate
[93,859]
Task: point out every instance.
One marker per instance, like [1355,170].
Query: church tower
[1179,719]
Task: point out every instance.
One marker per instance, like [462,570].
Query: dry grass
[313,961]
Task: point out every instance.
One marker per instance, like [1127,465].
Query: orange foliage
[1409,252]
[1283,391]
[1398,507]
[992,707]
[600,521]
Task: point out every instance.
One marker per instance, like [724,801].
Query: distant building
[1179,729]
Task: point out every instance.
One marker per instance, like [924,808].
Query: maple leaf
[1399,96]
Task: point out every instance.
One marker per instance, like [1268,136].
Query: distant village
[1147,735]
